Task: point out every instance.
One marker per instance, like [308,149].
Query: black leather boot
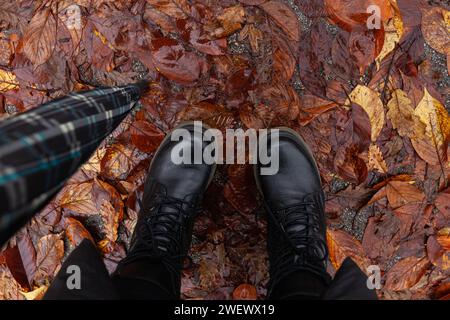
[163,232]
[294,204]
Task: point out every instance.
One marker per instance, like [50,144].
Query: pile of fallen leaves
[370,103]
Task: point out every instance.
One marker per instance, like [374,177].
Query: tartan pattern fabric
[41,148]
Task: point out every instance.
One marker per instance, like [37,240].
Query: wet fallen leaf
[406,273]
[401,113]
[341,245]
[231,20]
[50,250]
[76,232]
[284,17]
[349,13]
[431,145]
[40,36]
[436,29]
[9,288]
[174,62]
[400,193]
[145,136]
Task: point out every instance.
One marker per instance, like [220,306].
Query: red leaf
[145,136]
[245,292]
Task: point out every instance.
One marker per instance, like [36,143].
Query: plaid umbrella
[41,148]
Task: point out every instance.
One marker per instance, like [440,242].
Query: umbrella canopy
[41,148]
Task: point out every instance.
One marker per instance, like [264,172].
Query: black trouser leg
[145,279]
[299,285]
[350,283]
[138,280]
[95,282]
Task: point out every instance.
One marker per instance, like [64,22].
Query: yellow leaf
[7,81]
[431,144]
[371,103]
[36,294]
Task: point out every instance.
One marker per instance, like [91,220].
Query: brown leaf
[349,14]
[341,245]
[177,9]
[436,28]
[13,13]
[78,198]
[76,232]
[406,273]
[245,292]
[50,251]
[40,37]
[240,190]
[231,20]
[284,61]
[21,260]
[121,158]
[174,62]
[437,254]
[284,17]
[349,165]
[365,45]
[9,288]
[400,193]
[145,136]
[442,203]
[376,160]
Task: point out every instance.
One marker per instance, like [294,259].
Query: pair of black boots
[293,199]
